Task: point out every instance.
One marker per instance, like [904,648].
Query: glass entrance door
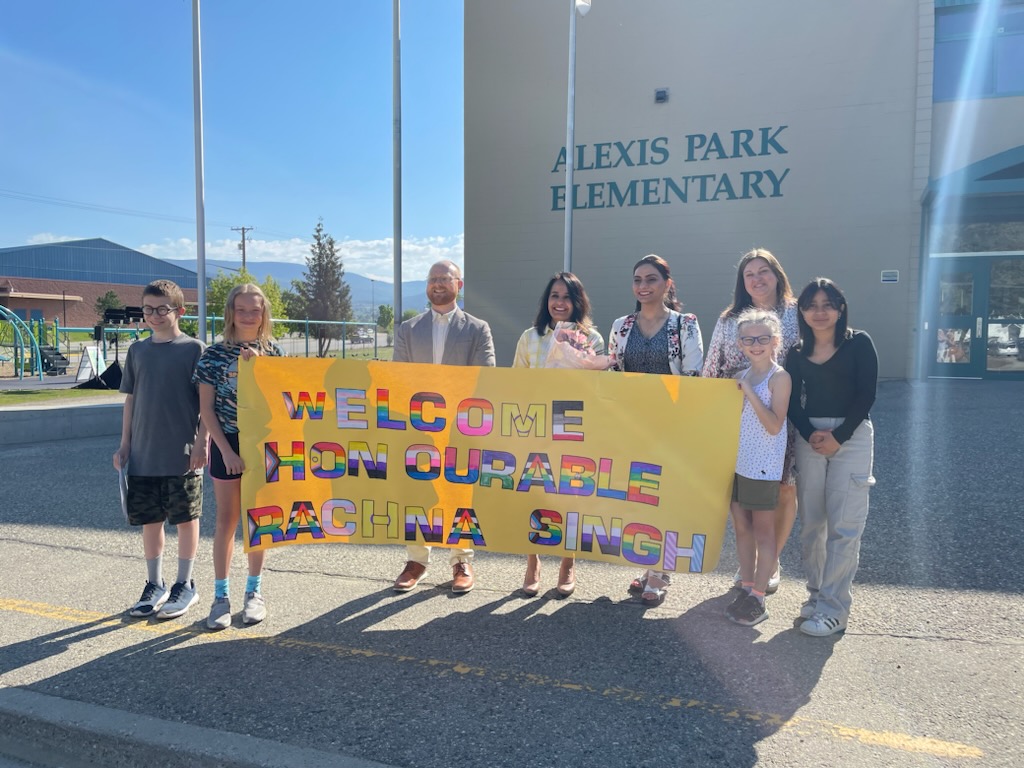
[975,325]
[1004,350]
[955,335]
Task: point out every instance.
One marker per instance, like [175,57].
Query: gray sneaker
[183,596]
[255,609]
[220,614]
[153,596]
[808,609]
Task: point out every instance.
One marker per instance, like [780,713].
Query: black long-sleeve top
[841,387]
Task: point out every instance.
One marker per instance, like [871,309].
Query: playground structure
[38,348]
[18,345]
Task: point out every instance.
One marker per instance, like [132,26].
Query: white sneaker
[773,582]
[255,609]
[820,625]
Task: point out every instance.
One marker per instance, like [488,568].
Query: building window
[979,51]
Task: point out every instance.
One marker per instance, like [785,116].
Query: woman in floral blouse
[656,338]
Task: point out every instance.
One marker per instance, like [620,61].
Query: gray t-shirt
[165,405]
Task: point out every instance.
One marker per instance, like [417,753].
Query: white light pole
[197,117]
[582,6]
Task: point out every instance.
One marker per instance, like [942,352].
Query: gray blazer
[468,342]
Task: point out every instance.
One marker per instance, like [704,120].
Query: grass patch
[40,396]
[383,353]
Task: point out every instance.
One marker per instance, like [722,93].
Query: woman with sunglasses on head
[563,300]
[655,338]
[761,283]
[834,370]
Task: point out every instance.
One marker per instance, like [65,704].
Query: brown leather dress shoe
[409,577]
[462,578]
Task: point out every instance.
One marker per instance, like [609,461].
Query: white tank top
[761,454]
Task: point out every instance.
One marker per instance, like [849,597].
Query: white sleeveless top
[761,454]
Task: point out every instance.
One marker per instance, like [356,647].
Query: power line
[113,210]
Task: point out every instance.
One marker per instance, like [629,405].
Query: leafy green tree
[220,286]
[109,300]
[385,317]
[323,294]
[409,314]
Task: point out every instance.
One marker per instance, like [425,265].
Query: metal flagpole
[197,116]
[570,129]
[396,80]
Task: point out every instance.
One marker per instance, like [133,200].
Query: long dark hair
[741,299]
[671,301]
[838,300]
[578,297]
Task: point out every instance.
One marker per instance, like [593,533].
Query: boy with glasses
[163,448]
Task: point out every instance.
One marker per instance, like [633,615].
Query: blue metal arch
[19,325]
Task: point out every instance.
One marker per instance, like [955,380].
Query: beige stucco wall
[841,78]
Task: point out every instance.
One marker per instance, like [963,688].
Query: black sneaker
[748,611]
[741,595]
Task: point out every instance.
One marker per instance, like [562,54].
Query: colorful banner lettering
[616,467]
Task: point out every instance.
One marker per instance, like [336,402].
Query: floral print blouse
[685,346]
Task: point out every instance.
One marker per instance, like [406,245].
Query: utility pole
[243,230]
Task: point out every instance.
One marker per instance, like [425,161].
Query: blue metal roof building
[93,261]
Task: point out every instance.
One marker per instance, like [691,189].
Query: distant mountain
[364,291]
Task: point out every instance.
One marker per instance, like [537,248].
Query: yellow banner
[616,467]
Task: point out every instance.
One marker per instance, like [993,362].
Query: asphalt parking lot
[347,672]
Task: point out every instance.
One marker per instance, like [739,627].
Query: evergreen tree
[323,293]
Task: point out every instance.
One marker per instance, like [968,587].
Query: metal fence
[299,338]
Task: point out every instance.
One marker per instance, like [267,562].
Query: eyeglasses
[749,341]
[163,310]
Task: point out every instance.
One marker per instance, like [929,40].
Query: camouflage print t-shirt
[218,367]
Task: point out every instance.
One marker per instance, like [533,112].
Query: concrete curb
[45,423]
[50,731]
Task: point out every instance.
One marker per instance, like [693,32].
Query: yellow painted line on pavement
[806,727]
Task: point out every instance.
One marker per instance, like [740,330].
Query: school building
[63,280]
[878,142]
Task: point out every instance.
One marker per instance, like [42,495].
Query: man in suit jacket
[444,335]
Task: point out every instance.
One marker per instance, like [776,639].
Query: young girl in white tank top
[762,448]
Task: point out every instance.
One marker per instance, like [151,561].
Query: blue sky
[97,119]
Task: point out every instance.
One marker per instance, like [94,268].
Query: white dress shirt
[440,332]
